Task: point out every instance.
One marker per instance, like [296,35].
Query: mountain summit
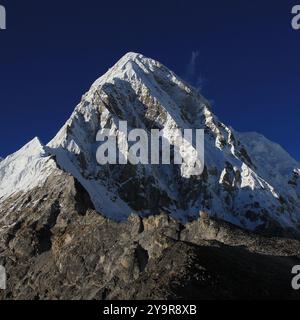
[247,180]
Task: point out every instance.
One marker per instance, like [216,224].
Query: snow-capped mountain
[25,169]
[248,180]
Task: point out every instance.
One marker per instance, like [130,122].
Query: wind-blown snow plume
[191,74]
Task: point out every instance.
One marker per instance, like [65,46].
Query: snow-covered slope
[271,161]
[25,169]
[247,179]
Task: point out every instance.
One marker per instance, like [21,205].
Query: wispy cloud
[191,74]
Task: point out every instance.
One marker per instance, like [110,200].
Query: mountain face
[247,180]
[73,229]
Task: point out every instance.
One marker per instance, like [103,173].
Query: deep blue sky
[248,59]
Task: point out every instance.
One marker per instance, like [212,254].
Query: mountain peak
[34,143]
[25,169]
[238,184]
[131,66]
[132,56]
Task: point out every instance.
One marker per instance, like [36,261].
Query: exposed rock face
[54,245]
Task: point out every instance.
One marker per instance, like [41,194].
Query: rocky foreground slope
[54,245]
